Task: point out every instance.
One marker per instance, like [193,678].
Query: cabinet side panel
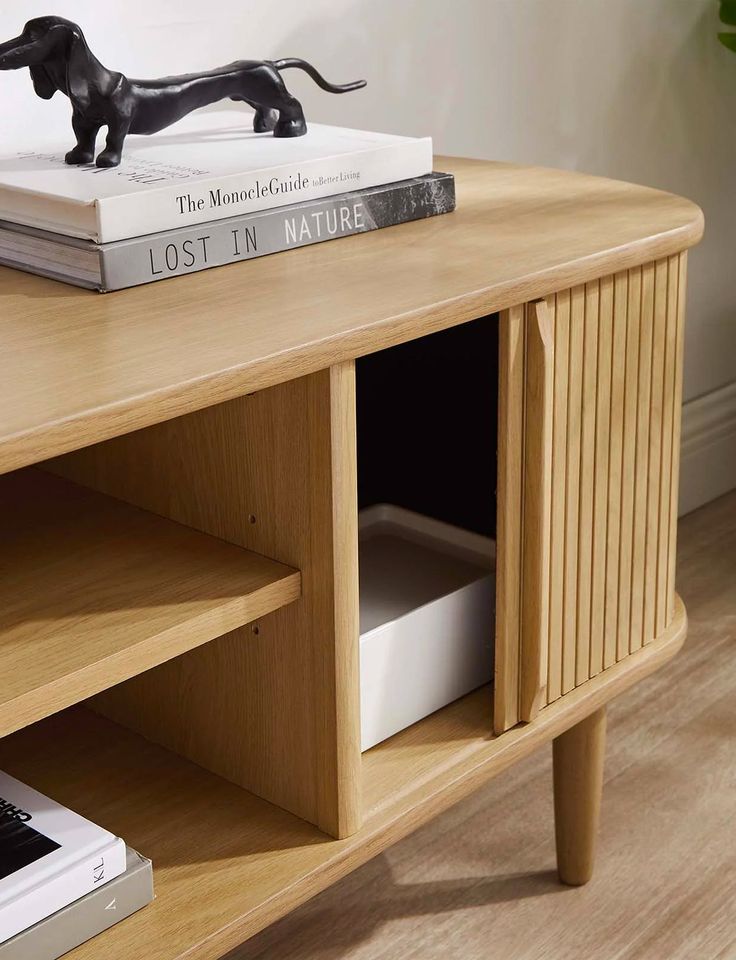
[273,706]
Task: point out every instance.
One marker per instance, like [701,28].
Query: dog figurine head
[53,49]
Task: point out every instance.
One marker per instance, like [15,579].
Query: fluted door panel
[612,431]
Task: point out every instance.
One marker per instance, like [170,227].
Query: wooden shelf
[158,351]
[94,591]
[245,862]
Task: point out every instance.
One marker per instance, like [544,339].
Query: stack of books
[205,193]
[63,879]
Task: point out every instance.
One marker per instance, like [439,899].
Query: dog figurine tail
[290,62]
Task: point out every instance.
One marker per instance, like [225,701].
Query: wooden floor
[479,883]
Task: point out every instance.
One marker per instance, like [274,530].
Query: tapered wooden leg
[578,782]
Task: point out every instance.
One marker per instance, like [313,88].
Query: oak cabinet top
[77,367]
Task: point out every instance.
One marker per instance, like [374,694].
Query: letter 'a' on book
[87,917]
[49,857]
[206,167]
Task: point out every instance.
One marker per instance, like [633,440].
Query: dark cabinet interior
[427,416]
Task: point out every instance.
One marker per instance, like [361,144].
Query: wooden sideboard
[179,535]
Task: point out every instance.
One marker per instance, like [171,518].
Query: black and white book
[206,167]
[126,263]
[49,856]
[87,917]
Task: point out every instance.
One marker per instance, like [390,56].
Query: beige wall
[636,89]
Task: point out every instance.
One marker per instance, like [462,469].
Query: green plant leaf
[728,40]
[728,12]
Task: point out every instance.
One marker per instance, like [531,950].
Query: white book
[205,167]
[49,857]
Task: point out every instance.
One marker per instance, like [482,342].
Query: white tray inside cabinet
[427,617]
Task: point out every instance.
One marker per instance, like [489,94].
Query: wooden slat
[511,353]
[226,863]
[659,338]
[559,468]
[668,426]
[572,485]
[602,456]
[676,429]
[274,472]
[641,467]
[93,592]
[628,463]
[587,482]
[536,511]
[615,478]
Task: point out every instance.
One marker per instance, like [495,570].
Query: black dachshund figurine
[58,57]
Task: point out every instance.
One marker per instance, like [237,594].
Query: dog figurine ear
[43,84]
[79,67]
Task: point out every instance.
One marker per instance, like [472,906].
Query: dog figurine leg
[117,131]
[86,134]
[265,120]
[291,119]
[266,91]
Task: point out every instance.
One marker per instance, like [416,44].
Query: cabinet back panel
[427,426]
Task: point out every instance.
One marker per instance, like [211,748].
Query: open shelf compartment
[94,591]
[242,860]
[426,439]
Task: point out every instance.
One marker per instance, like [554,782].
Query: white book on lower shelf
[49,856]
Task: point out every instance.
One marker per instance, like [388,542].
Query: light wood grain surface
[538,410]
[641,469]
[510,474]
[628,457]
[600,497]
[274,707]
[676,432]
[615,463]
[560,304]
[479,882]
[578,756]
[567,576]
[240,860]
[77,367]
[93,591]
[588,412]
[587,517]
